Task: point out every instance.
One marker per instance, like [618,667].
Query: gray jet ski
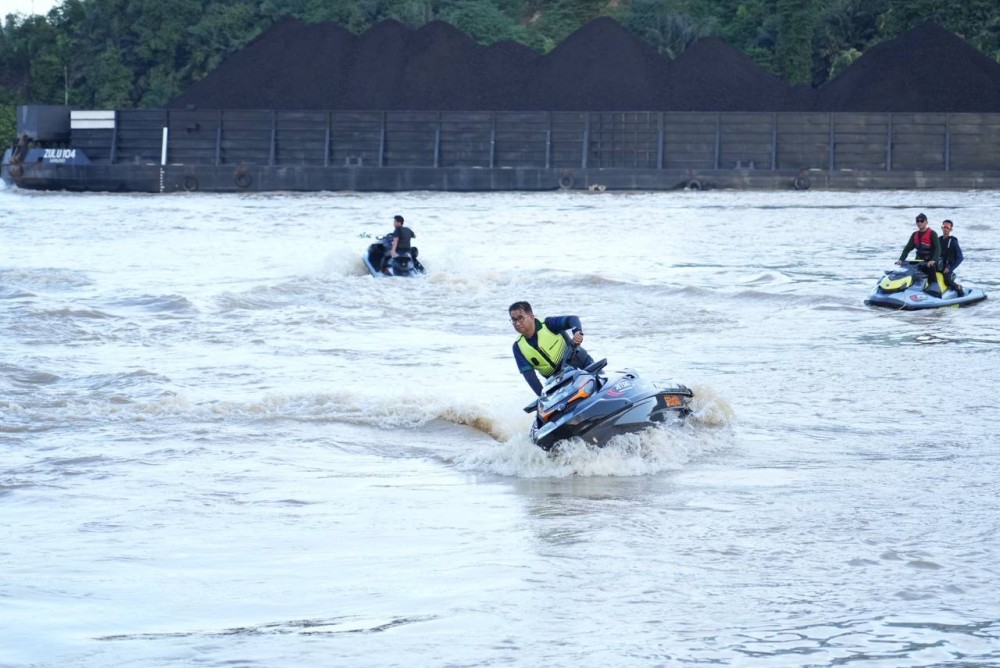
[585,404]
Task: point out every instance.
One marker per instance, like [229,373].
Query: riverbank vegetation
[142,53]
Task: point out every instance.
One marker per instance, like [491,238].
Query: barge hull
[254,179]
[164,151]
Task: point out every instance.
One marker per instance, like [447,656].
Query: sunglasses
[518,320]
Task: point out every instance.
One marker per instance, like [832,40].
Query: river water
[224,444]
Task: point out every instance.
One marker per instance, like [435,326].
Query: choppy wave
[305,627]
[28,377]
[163,304]
[121,381]
[143,396]
[72,313]
[104,400]
[44,279]
[15,293]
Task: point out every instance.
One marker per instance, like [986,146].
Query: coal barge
[194,150]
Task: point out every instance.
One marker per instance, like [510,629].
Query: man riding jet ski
[919,284]
[542,343]
[393,255]
[578,400]
[380,261]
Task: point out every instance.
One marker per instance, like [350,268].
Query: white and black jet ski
[404,264]
[585,404]
[907,287]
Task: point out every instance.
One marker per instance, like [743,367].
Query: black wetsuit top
[951,253]
[403,234]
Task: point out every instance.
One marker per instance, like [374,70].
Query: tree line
[120,54]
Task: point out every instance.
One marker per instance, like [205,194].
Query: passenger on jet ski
[542,344]
[928,247]
[951,257]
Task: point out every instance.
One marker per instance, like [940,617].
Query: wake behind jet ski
[909,288]
[585,404]
[404,264]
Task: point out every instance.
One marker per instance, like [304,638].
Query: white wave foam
[709,408]
[645,453]
[345,261]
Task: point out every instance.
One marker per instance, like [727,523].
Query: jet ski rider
[925,241]
[401,236]
[542,344]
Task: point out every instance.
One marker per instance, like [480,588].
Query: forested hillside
[144,53]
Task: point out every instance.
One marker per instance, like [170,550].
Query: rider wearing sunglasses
[541,346]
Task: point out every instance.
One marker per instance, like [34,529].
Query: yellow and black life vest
[549,353]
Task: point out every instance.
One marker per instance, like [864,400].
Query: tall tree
[665,26]
[793,50]
[124,53]
[483,21]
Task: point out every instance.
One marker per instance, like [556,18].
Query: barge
[194,150]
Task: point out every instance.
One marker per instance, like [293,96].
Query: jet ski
[404,264]
[908,288]
[584,403]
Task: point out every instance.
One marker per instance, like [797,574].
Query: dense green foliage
[142,53]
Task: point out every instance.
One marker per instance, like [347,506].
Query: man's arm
[527,371]
[533,381]
[906,249]
[958,254]
[561,323]
[936,242]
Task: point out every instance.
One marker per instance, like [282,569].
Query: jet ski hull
[627,404]
[908,289]
[917,300]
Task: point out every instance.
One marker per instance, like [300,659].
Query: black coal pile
[927,69]
[600,67]
[506,70]
[306,71]
[443,64]
[710,75]
[373,73]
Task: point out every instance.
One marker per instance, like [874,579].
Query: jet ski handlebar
[593,369]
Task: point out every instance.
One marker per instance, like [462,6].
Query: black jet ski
[404,264]
[584,403]
[907,287]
